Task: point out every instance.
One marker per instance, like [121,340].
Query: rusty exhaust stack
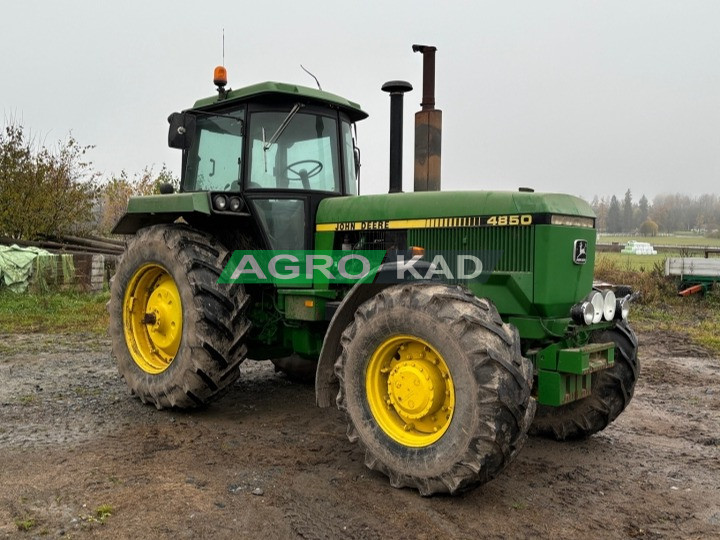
[428,127]
[396,89]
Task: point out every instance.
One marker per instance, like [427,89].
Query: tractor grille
[386,240]
[515,243]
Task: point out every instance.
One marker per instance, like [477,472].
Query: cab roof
[291,91]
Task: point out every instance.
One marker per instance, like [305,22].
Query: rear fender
[156,209]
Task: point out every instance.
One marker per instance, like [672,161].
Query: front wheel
[434,387]
[612,390]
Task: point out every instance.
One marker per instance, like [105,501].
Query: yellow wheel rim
[152,318]
[410,391]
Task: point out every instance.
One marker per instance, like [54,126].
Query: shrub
[652,284]
[649,228]
[44,191]
[117,192]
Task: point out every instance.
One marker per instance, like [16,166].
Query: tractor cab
[272,150]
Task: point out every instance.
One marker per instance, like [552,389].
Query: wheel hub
[416,389]
[410,390]
[162,304]
[152,318]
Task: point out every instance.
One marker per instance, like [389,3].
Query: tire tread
[212,346]
[502,376]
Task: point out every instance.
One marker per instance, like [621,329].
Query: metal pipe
[428,52]
[428,128]
[396,89]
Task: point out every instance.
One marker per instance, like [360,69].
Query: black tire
[296,368]
[213,318]
[612,390]
[623,290]
[492,384]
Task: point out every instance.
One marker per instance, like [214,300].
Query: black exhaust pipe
[396,89]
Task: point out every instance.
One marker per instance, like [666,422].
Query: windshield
[214,161]
[301,154]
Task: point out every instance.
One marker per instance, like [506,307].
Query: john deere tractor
[440,380]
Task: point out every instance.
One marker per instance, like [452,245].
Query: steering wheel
[304,174]
[312,172]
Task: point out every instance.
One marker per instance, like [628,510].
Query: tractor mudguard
[132,223]
[160,209]
[326,384]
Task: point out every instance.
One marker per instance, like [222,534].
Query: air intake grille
[515,243]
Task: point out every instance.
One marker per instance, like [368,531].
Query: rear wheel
[434,387]
[177,335]
[612,390]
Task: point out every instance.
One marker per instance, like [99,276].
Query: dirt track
[264,462]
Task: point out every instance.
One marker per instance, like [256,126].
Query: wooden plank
[692,266]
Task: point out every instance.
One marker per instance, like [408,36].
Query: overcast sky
[584,97]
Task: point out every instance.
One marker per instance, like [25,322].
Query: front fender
[326,384]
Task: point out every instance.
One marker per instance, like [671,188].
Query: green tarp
[21,265]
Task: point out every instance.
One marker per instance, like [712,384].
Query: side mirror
[166,188]
[182,130]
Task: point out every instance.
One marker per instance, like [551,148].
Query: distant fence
[84,272]
[71,244]
[616,247]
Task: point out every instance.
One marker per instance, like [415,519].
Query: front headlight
[573,221]
[622,308]
[235,203]
[598,303]
[220,202]
[583,313]
[609,301]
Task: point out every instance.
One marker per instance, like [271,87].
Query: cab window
[283,221]
[348,148]
[293,151]
[214,161]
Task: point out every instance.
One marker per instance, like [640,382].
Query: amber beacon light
[220,76]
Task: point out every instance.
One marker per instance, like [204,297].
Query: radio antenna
[313,76]
[223,62]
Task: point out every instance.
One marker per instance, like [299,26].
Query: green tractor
[440,380]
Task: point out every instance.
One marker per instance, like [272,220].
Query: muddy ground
[264,462]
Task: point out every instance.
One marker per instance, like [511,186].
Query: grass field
[696,316]
[55,312]
[676,240]
[647,262]
[641,263]
[659,307]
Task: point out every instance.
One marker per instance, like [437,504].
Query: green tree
[117,191]
[649,228]
[614,216]
[599,206]
[44,191]
[628,223]
[643,209]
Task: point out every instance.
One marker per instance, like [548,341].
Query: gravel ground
[265,462]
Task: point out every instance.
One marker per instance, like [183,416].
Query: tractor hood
[433,204]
